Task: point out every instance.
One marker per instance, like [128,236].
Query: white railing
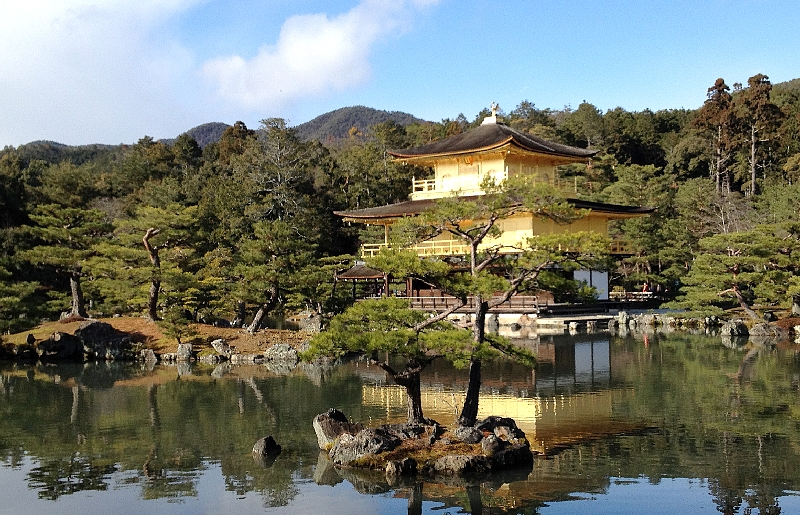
[423,188]
[467,185]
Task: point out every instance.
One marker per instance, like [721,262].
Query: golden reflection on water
[546,421]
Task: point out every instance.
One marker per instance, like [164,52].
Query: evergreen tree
[745,269]
[716,120]
[65,239]
[759,119]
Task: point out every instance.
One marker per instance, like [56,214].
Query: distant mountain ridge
[203,134]
[207,133]
[336,125]
[331,126]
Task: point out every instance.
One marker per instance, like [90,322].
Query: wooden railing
[446,302]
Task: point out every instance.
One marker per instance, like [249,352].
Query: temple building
[460,164]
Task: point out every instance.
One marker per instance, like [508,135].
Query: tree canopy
[723,169]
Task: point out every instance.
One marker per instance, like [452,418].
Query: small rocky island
[428,449]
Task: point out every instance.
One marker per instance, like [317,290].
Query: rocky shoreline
[425,448]
[734,332]
[95,340]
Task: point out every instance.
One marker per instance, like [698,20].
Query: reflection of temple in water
[567,398]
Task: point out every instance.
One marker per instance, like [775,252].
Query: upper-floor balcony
[470,185]
[465,185]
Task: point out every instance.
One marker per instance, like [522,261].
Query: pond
[666,424]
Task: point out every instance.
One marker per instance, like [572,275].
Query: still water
[670,424]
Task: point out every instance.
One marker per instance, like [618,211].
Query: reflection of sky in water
[592,362]
[623,496]
[668,497]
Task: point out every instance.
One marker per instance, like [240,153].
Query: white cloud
[111,71]
[313,56]
[84,71]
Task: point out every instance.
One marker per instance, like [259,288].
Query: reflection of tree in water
[737,501]
[173,477]
[56,477]
[274,479]
[750,483]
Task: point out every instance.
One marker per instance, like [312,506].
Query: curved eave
[490,138]
[503,146]
[411,158]
[387,215]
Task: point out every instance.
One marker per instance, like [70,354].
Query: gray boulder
[95,332]
[503,427]
[767,334]
[767,329]
[282,352]
[265,451]
[60,347]
[514,455]
[490,445]
[148,356]
[185,352]
[222,347]
[650,320]
[266,446]
[468,434]
[312,323]
[350,448]
[330,425]
[735,327]
[23,352]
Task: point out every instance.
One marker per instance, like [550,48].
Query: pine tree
[65,239]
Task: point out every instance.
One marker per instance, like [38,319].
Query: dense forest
[241,226]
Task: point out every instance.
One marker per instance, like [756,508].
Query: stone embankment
[736,331]
[92,341]
[95,340]
[427,449]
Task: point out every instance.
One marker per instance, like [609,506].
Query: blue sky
[112,71]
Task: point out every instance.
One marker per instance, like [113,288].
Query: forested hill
[336,125]
[207,133]
[52,152]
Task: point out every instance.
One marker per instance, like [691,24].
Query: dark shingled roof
[415,207]
[487,137]
[360,272]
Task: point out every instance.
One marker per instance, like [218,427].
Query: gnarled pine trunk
[469,412]
[155,282]
[410,380]
[263,310]
[78,304]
